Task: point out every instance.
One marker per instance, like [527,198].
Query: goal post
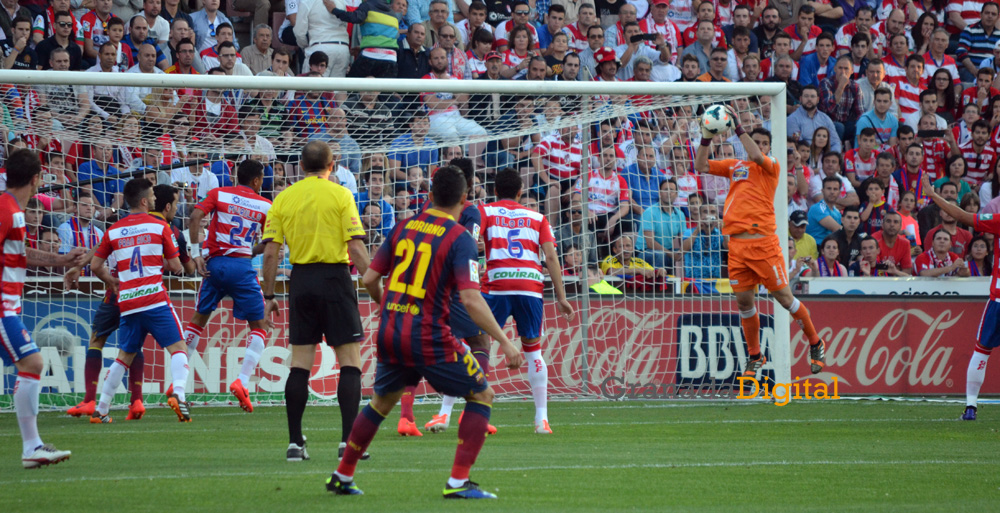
[672,328]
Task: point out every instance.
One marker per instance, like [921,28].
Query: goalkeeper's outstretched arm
[701,155]
[753,151]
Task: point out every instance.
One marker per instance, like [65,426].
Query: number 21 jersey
[427,258]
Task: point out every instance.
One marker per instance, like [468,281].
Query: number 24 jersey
[238,218]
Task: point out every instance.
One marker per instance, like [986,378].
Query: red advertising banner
[895,347]
[635,348]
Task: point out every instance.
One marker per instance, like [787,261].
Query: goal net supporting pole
[782,319]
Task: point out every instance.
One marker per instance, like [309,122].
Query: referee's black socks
[349,398]
[296,395]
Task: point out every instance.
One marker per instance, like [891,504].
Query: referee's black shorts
[322,301]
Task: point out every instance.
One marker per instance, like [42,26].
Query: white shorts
[452,127]
[340,58]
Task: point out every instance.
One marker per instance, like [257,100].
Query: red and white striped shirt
[810,42]
[474,64]
[211,59]
[669,30]
[767,70]
[503,30]
[559,159]
[895,71]
[862,168]
[688,183]
[847,32]
[577,39]
[606,193]
[969,9]
[971,95]
[238,215]
[981,163]
[892,193]
[690,37]
[513,236]
[948,63]
[94,28]
[511,59]
[908,96]
[139,243]
[935,153]
[14,264]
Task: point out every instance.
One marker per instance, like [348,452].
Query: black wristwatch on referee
[268,297]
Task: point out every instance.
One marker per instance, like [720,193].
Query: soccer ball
[716,120]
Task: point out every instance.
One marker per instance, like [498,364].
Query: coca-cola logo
[903,347]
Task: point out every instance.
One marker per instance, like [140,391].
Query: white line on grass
[139,430]
[715,464]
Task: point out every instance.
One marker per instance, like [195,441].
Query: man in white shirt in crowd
[159,29]
[316,30]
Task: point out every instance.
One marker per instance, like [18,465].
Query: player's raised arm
[701,164]
[753,150]
[952,209]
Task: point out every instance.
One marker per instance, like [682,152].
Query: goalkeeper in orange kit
[755,256]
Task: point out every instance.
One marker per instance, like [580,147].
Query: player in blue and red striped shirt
[461,324]
[428,258]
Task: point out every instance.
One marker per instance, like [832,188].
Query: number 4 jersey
[238,217]
[514,236]
[138,244]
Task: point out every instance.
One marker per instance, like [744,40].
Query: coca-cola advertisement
[909,346]
[656,348]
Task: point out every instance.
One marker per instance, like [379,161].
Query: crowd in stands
[880,93]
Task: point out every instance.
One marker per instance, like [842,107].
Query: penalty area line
[640,466]
[141,431]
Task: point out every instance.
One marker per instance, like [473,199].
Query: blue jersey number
[135,263]
[236,235]
[515,248]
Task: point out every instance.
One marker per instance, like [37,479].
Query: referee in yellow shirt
[319,221]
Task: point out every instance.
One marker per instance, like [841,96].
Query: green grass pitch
[604,456]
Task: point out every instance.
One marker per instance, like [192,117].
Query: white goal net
[609,164]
